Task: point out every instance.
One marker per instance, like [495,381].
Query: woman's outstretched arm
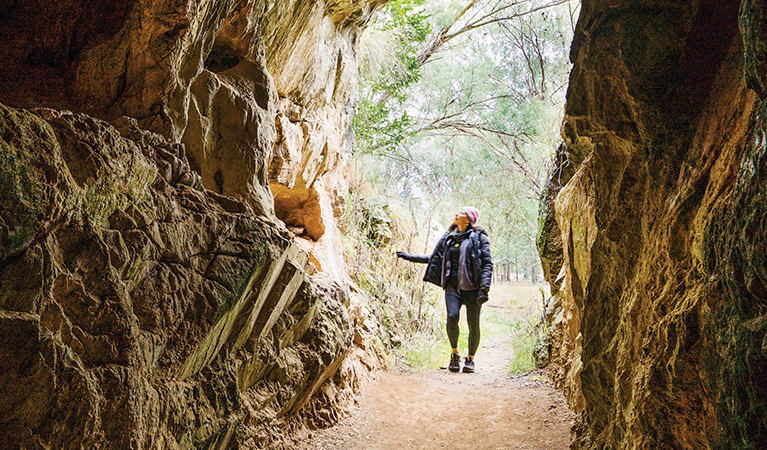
[423,259]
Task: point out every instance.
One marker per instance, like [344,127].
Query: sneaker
[455,362]
[468,365]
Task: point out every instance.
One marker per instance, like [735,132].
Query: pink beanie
[472,212]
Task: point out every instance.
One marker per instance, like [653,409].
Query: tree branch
[443,36]
[479,22]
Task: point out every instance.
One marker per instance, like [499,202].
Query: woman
[461,265]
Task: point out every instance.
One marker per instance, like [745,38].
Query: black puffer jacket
[481,269]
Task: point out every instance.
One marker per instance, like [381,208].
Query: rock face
[229,79]
[151,294]
[654,226]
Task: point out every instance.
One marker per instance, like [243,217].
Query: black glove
[402,255]
[482,296]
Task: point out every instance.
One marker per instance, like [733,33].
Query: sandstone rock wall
[654,227]
[170,275]
[228,78]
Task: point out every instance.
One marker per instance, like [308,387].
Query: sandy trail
[485,410]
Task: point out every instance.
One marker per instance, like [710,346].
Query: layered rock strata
[170,275]
[256,90]
[654,227]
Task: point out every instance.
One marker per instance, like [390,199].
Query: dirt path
[485,410]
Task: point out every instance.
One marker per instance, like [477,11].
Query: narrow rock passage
[485,410]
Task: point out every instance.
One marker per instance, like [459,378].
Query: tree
[390,66]
[476,118]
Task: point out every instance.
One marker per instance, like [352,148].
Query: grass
[522,360]
[513,309]
[422,352]
[522,321]
[414,311]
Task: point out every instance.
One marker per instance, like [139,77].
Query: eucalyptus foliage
[461,104]
[390,60]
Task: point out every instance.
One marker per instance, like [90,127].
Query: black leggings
[454,298]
